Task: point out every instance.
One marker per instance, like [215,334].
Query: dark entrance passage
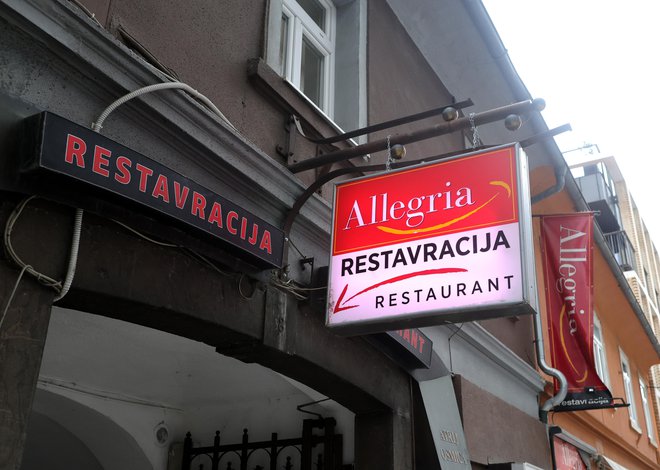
[122,396]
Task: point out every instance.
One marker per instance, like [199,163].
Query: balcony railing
[622,249]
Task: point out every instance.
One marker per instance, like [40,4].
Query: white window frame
[646,406]
[302,26]
[348,84]
[600,354]
[626,375]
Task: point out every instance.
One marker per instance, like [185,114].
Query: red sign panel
[568,263]
[448,197]
[567,456]
[439,242]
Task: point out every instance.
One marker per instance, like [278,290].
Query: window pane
[627,382]
[284,42]
[599,352]
[599,363]
[315,10]
[647,411]
[311,72]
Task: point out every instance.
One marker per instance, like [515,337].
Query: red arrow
[339,307]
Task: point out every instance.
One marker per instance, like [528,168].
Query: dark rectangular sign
[415,342]
[88,156]
[408,347]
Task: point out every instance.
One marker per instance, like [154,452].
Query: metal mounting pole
[392,123]
[492,115]
[329,176]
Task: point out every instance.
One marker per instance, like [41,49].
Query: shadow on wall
[64,434]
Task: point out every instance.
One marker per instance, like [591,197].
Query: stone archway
[122,276]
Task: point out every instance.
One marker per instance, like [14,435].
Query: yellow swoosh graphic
[450,222]
[562,314]
[504,185]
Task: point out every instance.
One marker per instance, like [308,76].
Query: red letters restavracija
[122,169]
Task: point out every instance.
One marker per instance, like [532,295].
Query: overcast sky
[597,65]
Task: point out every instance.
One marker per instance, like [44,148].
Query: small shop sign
[432,244]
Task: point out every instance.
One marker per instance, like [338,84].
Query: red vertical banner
[567,245]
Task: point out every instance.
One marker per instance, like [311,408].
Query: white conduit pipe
[96,127]
[158,86]
[73,257]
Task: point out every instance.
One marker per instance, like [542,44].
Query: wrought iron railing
[302,448]
[622,249]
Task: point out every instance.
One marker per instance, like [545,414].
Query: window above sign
[307,49]
[600,356]
[628,387]
[643,391]
[319,47]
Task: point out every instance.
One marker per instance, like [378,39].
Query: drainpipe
[560,178]
[560,182]
[568,183]
[500,56]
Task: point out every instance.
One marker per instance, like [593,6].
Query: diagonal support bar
[327,177]
[392,123]
[522,107]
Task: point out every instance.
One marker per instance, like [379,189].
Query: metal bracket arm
[392,123]
[492,115]
[329,176]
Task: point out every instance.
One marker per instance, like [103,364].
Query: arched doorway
[127,394]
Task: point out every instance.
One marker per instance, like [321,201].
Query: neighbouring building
[627,436]
[166,275]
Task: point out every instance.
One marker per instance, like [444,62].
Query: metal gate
[329,459]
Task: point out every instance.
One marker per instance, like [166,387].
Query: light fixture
[162,434]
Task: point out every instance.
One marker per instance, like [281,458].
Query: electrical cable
[73,256]
[451,364]
[141,235]
[240,289]
[286,286]
[288,239]
[98,124]
[305,405]
[11,221]
[46,382]
[63,288]
[193,254]
[293,289]
[11,296]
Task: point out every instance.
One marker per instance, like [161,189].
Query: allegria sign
[567,244]
[434,243]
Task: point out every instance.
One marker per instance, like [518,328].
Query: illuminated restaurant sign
[78,152]
[431,244]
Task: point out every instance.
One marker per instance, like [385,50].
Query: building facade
[630,376]
[127,324]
